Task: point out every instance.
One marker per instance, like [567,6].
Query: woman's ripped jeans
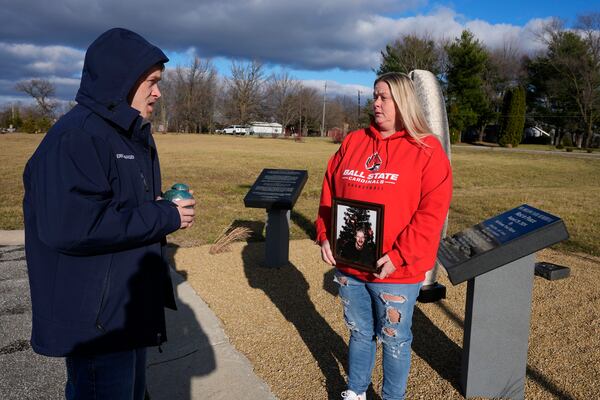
[378,311]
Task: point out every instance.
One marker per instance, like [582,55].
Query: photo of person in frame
[359,250]
[355,240]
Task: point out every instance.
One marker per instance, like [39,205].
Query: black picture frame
[348,217]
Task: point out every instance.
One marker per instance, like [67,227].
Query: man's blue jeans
[378,311]
[114,376]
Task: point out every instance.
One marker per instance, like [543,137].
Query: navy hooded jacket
[94,233]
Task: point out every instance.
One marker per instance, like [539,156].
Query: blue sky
[338,41]
[518,12]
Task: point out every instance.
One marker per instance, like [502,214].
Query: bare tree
[337,115]
[244,99]
[192,96]
[573,57]
[589,91]
[279,97]
[42,90]
[165,114]
[504,70]
[308,111]
[589,27]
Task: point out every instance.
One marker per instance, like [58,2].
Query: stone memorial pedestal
[430,95]
[277,245]
[276,190]
[496,258]
[495,340]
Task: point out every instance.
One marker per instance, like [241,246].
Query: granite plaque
[499,241]
[276,189]
[551,271]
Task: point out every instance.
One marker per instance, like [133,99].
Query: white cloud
[7,99]
[47,39]
[339,89]
[24,61]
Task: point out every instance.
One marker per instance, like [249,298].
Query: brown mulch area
[289,324]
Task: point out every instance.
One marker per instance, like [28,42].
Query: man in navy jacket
[95,225]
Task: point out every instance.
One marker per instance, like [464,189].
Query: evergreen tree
[467,102]
[410,52]
[513,117]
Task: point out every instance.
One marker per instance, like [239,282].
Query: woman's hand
[385,266]
[326,253]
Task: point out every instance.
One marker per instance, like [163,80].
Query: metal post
[358,111]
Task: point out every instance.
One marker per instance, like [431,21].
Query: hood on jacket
[375,134]
[113,64]
[377,140]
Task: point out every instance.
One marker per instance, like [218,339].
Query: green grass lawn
[221,169]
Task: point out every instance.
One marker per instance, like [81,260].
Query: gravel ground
[289,324]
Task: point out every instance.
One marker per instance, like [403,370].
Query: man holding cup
[95,225]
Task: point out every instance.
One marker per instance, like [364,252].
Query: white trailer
[265,129]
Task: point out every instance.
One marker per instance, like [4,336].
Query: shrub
[513,117]
[32,124]
[337,135]
[454,136]
[567,141]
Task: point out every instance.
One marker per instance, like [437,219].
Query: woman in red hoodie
[412,179]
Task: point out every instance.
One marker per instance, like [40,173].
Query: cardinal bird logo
[373,162]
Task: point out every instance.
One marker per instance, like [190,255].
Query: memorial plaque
[499,241]
[276,189]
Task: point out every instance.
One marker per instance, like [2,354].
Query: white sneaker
[350,395]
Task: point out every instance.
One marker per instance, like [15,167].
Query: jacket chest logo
[125,156]
[373,162]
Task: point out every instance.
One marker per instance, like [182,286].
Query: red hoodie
[412,181]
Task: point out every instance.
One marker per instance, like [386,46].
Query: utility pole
[300,117]
[323,121]
[358,112]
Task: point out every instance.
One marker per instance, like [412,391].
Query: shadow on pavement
[186,354]
[436,348]
[287,289]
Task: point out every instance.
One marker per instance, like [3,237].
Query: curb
[12,238]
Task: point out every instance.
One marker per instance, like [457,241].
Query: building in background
[265,129]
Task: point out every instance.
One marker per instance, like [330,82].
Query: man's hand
[326,253]
[186,212]
[385,266]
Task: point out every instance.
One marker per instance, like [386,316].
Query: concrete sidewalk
[12,238]
[197,362]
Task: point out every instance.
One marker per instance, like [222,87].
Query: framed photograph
[357,233]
